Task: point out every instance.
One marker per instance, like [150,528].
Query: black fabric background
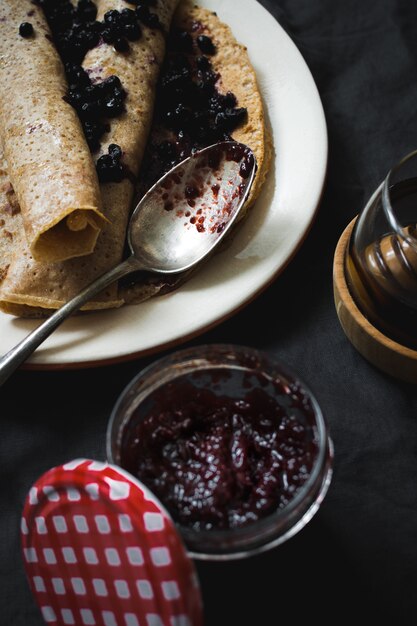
[356,562]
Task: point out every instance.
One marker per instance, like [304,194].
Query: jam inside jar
[234,447]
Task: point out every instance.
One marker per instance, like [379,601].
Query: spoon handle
[17,355]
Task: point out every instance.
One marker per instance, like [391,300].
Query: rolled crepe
[49,163]
[236,74]
[30,288]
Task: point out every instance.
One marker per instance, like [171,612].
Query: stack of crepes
[57,191]
[53,212]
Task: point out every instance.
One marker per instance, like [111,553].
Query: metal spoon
[176,225]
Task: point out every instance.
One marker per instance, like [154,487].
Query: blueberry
[128,16]
[86,10]
[112,82]
[25,29]
[115,151]
[175,78]
[207,77]
[236,117]
[89,109]
[77,74]
[75,97]
[133,32]
[153,21]
[121,44]
[205,44]
[142,11]
[182,41]
[109,167]
[107,35]
[114,106]
[229,100]
[93,131]
[104,163]
[146,17]
[203,63]
[178,118]
[119,93]
[219,102]
[112,17]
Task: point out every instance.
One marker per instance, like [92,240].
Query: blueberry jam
[74,27]
[217,458]
[109,166]
[190,112]
[75,30]
[95,104]
[25,29]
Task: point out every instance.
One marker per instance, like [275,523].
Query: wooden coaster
[386,354]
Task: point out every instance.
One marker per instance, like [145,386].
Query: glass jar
[381,259]
[224,374]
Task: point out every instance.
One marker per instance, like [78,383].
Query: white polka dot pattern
[100,587]
[90,556]
[112,556]
[69,555]
[80,522]
[87,617]
[67,616]
[131,619]
[160,556]
[60,524]
[119,490]
[49,556]
[58,585]
[99,549]
[154,620]
[134,555]
[24,527]
[38,583]
[92,490]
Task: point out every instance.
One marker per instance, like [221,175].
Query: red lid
[99,549]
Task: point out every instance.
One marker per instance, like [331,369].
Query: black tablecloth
[357,560]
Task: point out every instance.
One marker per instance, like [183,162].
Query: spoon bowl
[176,225]
[184,215]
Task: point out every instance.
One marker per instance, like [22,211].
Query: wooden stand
[386,354]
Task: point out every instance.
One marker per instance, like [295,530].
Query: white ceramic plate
[262,246]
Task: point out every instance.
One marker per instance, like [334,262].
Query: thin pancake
[49,163]
[236,74]
[231,61]
[31,284]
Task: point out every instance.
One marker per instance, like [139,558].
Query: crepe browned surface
[49,163]
[33,288]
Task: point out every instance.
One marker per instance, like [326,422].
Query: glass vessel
[381,259]
[228,372]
